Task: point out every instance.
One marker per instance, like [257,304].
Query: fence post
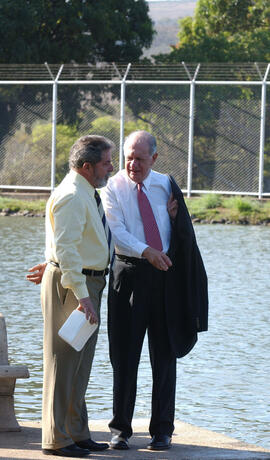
[54,118]
[54,122]
[190,137]
[262,133]
[122,118]
[191,127]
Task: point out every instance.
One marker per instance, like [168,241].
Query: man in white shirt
[77,256]
[156,253]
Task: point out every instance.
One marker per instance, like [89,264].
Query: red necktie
[151,230]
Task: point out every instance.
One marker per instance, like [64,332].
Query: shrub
[210,201]
[241,204]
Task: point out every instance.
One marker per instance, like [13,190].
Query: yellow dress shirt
[75,236]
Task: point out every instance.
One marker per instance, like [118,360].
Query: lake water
[223,384]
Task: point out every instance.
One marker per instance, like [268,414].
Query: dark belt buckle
[131,260]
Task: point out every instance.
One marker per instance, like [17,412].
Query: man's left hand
[87,306]
[172,207]
[158,259]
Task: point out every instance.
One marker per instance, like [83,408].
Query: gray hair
[88,149]
[148,137]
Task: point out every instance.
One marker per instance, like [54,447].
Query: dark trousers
[136,304]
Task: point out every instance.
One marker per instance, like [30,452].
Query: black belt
[86,271]
[131,260]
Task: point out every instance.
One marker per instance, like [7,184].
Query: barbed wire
[253,71]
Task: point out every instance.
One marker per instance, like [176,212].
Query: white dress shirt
[120,203]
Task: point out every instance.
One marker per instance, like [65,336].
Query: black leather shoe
[92,445]
[119,443]
[160,442]
[68,451]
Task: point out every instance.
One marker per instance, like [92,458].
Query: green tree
[35,31]
[28,159]
[224,31]
[231,31]
[68,31]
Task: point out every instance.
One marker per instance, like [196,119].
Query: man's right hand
[157,258]
[87,306]
[36,273]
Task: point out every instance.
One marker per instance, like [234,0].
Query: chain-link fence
[211,121]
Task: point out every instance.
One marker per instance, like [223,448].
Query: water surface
[222,385]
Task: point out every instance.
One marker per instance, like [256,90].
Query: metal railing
[209,120]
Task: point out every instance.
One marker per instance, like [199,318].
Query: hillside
[171,10]
[165,16]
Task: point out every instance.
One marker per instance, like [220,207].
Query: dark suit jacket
[186,295]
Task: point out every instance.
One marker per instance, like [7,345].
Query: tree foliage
[230,31]
[37,31]
[224,31]
[65,31]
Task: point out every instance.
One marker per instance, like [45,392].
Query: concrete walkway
[189,443]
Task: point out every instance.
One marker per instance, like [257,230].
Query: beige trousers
[65,371]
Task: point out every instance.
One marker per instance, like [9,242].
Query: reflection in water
[223,383]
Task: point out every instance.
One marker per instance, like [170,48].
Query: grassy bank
[15,206]
[234,209]
[205,209]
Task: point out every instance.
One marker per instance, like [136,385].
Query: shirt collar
[79,179]
[146,182]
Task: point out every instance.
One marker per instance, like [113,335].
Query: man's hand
[157,258]
[87,306]
[172,207]
[36,273]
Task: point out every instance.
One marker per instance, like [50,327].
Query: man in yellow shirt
[77,256]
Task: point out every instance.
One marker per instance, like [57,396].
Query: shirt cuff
[140,248]
[80,292]
[134,251]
